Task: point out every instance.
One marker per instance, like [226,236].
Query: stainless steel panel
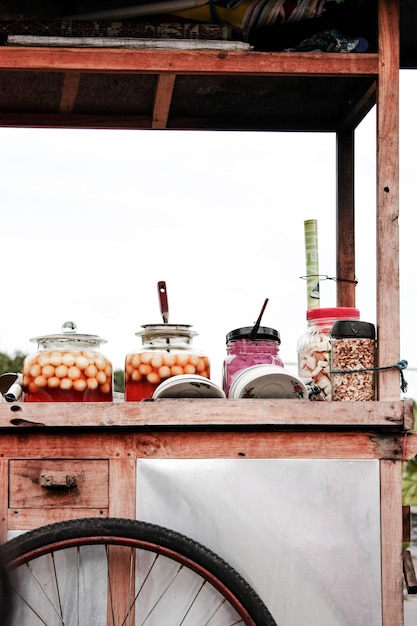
[304,533]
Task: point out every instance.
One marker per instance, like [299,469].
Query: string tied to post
[326,277]
[401,365]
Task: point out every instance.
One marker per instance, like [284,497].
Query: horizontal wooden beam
[144,122]
[187,62]
[22,519]
[191,412]
[192,444]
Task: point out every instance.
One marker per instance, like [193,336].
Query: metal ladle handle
[163,300]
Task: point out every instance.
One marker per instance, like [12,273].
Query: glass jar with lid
[314,348]
[244,351]
[68,368]
[167,350]
[353,361]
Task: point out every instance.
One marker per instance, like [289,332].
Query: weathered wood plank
[187,61]
[122,487]
[360,109]
[409,572]
[345,220]
[190,412]
[391,544]
[26,519]
[406,512]
[163,97]
[4,493]
[410,445]
[387,249]
[201,444]
[69,92]
[91,489]
[96,120]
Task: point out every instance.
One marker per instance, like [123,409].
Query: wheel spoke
[193,602]
[41,587]
[57,585]
[140,588]
[119,572]
[162,595]
[29,606]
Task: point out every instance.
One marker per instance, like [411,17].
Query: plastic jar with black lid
[244,351]
[353,360]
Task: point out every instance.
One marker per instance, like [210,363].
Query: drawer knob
[57,481]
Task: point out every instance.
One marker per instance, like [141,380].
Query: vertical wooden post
[122,488]
[387,245]
[388,296]
[4,499]
[391,543]
[122,503]
[345,219]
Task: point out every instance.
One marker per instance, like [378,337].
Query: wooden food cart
[100,445]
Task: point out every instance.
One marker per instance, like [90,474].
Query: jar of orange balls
[67,368]
[166,351]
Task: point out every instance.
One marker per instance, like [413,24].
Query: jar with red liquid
[244,351]
[68,368]
[167,350]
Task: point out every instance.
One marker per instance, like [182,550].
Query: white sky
[92,220]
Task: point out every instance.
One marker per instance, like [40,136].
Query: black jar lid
[264,332]
[353,329]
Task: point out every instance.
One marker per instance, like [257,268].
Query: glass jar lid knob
[69,328]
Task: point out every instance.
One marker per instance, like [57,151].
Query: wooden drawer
[63,483]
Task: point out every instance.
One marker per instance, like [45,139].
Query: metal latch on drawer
[57,481]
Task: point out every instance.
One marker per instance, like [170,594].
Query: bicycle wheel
[5,595]
[121,572]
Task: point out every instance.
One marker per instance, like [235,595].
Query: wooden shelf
[184,89]
[187,413]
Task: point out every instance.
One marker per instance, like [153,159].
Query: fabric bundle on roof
[248,15]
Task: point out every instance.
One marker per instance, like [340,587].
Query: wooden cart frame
[59,440]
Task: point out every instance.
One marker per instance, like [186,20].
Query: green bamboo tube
[312,264]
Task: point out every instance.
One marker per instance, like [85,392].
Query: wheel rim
[144,583]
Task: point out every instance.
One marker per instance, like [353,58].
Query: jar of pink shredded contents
[243,352]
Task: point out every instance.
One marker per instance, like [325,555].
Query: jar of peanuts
[167,350]
[314,348]
[244,351]
[353,361]
[68,368]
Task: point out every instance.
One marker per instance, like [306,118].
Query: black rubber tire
[5,595]
[176,546]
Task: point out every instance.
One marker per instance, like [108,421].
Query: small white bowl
[188,386]
[267,381]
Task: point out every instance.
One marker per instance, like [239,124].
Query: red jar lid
[339,312]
